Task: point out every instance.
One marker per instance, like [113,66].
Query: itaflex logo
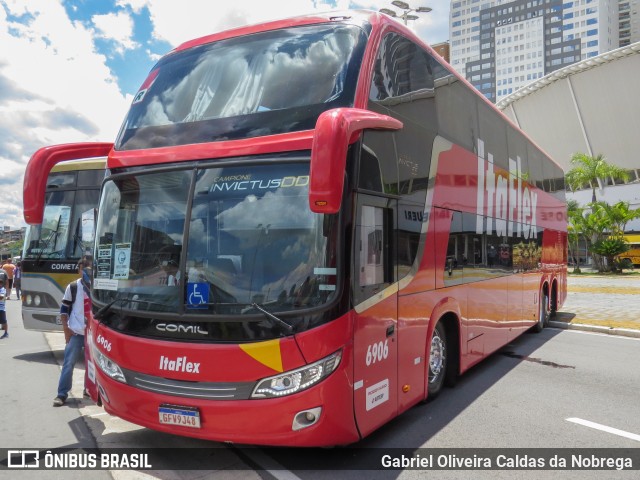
[179,364]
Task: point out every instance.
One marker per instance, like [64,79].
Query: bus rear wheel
[543,313]
[438,361]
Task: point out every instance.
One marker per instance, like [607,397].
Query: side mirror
[335,130]
[39,166]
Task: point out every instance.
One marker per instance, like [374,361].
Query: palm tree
[620,214]
[595,226]
[574,230]
[588,169]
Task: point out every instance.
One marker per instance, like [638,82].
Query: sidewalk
[602,303]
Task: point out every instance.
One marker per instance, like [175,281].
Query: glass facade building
[502,45]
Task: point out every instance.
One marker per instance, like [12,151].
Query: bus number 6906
[377,352]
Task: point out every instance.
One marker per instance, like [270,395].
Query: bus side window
[370,173]
[373,253]
[371,246]
[378,166]
[403,81]
[456,257]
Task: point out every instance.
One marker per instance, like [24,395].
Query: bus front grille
[181,388]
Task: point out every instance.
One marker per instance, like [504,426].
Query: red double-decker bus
[307,227]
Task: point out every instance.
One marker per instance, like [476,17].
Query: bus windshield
[239,87]
[249,234]
[66,231]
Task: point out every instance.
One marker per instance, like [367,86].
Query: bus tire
[438,361]
[543,313]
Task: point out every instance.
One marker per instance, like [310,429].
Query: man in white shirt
[73,323]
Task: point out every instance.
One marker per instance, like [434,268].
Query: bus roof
[277,24]
[632,238]
[295,140]
[99,163]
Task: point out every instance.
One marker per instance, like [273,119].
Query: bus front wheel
[437,361]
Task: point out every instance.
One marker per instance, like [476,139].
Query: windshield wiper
[99,315]
[77,240]
[276,321]
[77,243]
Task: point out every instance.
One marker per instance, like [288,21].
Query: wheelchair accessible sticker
[197,295]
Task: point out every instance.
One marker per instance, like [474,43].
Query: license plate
[177,415]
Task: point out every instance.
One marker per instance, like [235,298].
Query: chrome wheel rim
[437,357]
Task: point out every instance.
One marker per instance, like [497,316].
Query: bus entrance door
[376,313]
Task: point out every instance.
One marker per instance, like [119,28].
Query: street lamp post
[407,9]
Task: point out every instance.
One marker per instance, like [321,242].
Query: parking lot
[603,303]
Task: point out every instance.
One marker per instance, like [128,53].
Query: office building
[629,22]
[500,45]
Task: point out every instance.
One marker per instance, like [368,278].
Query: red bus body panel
[256,421]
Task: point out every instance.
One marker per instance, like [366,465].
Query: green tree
[574,228]
[587,170]
[620,214]
[609,248]
[602,226]
[594,227]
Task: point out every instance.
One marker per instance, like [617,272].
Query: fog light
[103,394]
[306,418]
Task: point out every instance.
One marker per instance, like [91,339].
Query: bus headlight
[297,380]
[108,366]
[36,300]
[28,299]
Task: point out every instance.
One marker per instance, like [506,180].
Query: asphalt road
[28,384]
[521,397]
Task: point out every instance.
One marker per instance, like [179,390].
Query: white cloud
[117,27]
[177,22]
[54,88]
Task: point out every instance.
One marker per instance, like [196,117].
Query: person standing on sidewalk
[17,280]
[3,276]
[73,323]
[3,313]
[9,269]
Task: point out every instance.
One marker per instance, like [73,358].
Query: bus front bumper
[252,422]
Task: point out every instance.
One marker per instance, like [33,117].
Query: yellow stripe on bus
[268,353]
[632,238]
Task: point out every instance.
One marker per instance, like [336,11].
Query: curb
[623,332]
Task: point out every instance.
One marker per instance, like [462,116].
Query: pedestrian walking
[74,323]
[3,313]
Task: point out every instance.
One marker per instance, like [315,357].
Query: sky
[69,68]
